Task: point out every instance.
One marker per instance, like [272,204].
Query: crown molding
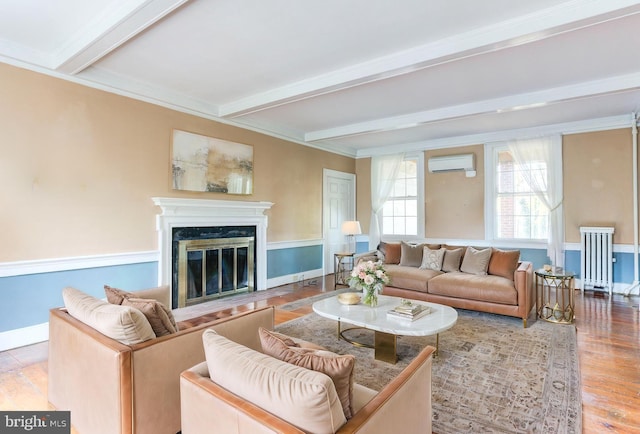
[96,78]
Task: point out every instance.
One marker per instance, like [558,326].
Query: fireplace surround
[204,213]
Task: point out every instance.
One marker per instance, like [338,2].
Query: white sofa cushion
[304,398]
[122,323]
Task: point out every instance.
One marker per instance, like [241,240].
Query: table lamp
[351,228]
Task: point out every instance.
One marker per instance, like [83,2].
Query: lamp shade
[351,227]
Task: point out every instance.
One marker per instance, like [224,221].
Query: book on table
[409,311]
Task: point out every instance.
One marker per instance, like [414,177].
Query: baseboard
[618,288]
[24,336]
[293,278]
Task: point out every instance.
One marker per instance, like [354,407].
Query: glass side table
[554,295]
[343,264]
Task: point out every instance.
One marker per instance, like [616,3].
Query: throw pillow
[410,254]
[338,368]
[504,263]
[390,252]
[271,341]
[288,341]
[476,261]
[302,397]
[122,323]
[115,295]
[160,318]
[451,261]
[432,259]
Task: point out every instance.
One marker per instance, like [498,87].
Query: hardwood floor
[609,351]
[608,344]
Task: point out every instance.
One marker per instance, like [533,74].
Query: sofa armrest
[365,256]
[523,281]
[406,398]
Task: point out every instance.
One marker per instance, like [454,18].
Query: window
[518,212]
[401,215]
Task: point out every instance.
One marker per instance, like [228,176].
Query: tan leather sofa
[511,295]
[404,405]
[112,388]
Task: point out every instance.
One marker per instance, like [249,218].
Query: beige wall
[79,167]
[598,188]
[455,203]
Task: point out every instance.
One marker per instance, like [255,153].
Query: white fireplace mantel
[180,213]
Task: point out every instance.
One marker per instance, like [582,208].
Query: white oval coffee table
[387,329]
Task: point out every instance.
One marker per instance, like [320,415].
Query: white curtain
[384,170]
[548,189]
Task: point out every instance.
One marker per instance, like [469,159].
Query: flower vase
[370,296]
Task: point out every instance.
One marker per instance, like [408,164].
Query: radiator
[596,258]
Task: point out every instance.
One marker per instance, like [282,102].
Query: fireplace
[224,247]
[211,262]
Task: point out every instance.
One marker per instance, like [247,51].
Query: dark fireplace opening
[208,276]
[212,262]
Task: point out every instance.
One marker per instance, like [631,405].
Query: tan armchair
[405,403]
[112,388]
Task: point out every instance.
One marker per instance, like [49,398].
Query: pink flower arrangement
[369,277]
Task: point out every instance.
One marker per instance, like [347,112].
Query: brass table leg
[384,344]
[385,347]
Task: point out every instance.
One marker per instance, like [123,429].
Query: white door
[339,205]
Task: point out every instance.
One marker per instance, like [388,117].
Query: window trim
[418,157]
[490,188]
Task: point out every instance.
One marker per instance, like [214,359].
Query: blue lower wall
[26,299]
[293,260]
[622,267]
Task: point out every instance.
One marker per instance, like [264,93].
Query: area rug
[491,375]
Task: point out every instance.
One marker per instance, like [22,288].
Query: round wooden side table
[554,295]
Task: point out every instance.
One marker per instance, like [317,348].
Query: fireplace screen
[212,268]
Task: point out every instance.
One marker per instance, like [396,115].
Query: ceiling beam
[109,31]
[583,126]
[562,18]
[528,100]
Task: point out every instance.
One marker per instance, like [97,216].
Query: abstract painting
[201,163]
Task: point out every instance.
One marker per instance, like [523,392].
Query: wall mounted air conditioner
[449,163]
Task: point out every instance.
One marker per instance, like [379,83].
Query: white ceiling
[357,77]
